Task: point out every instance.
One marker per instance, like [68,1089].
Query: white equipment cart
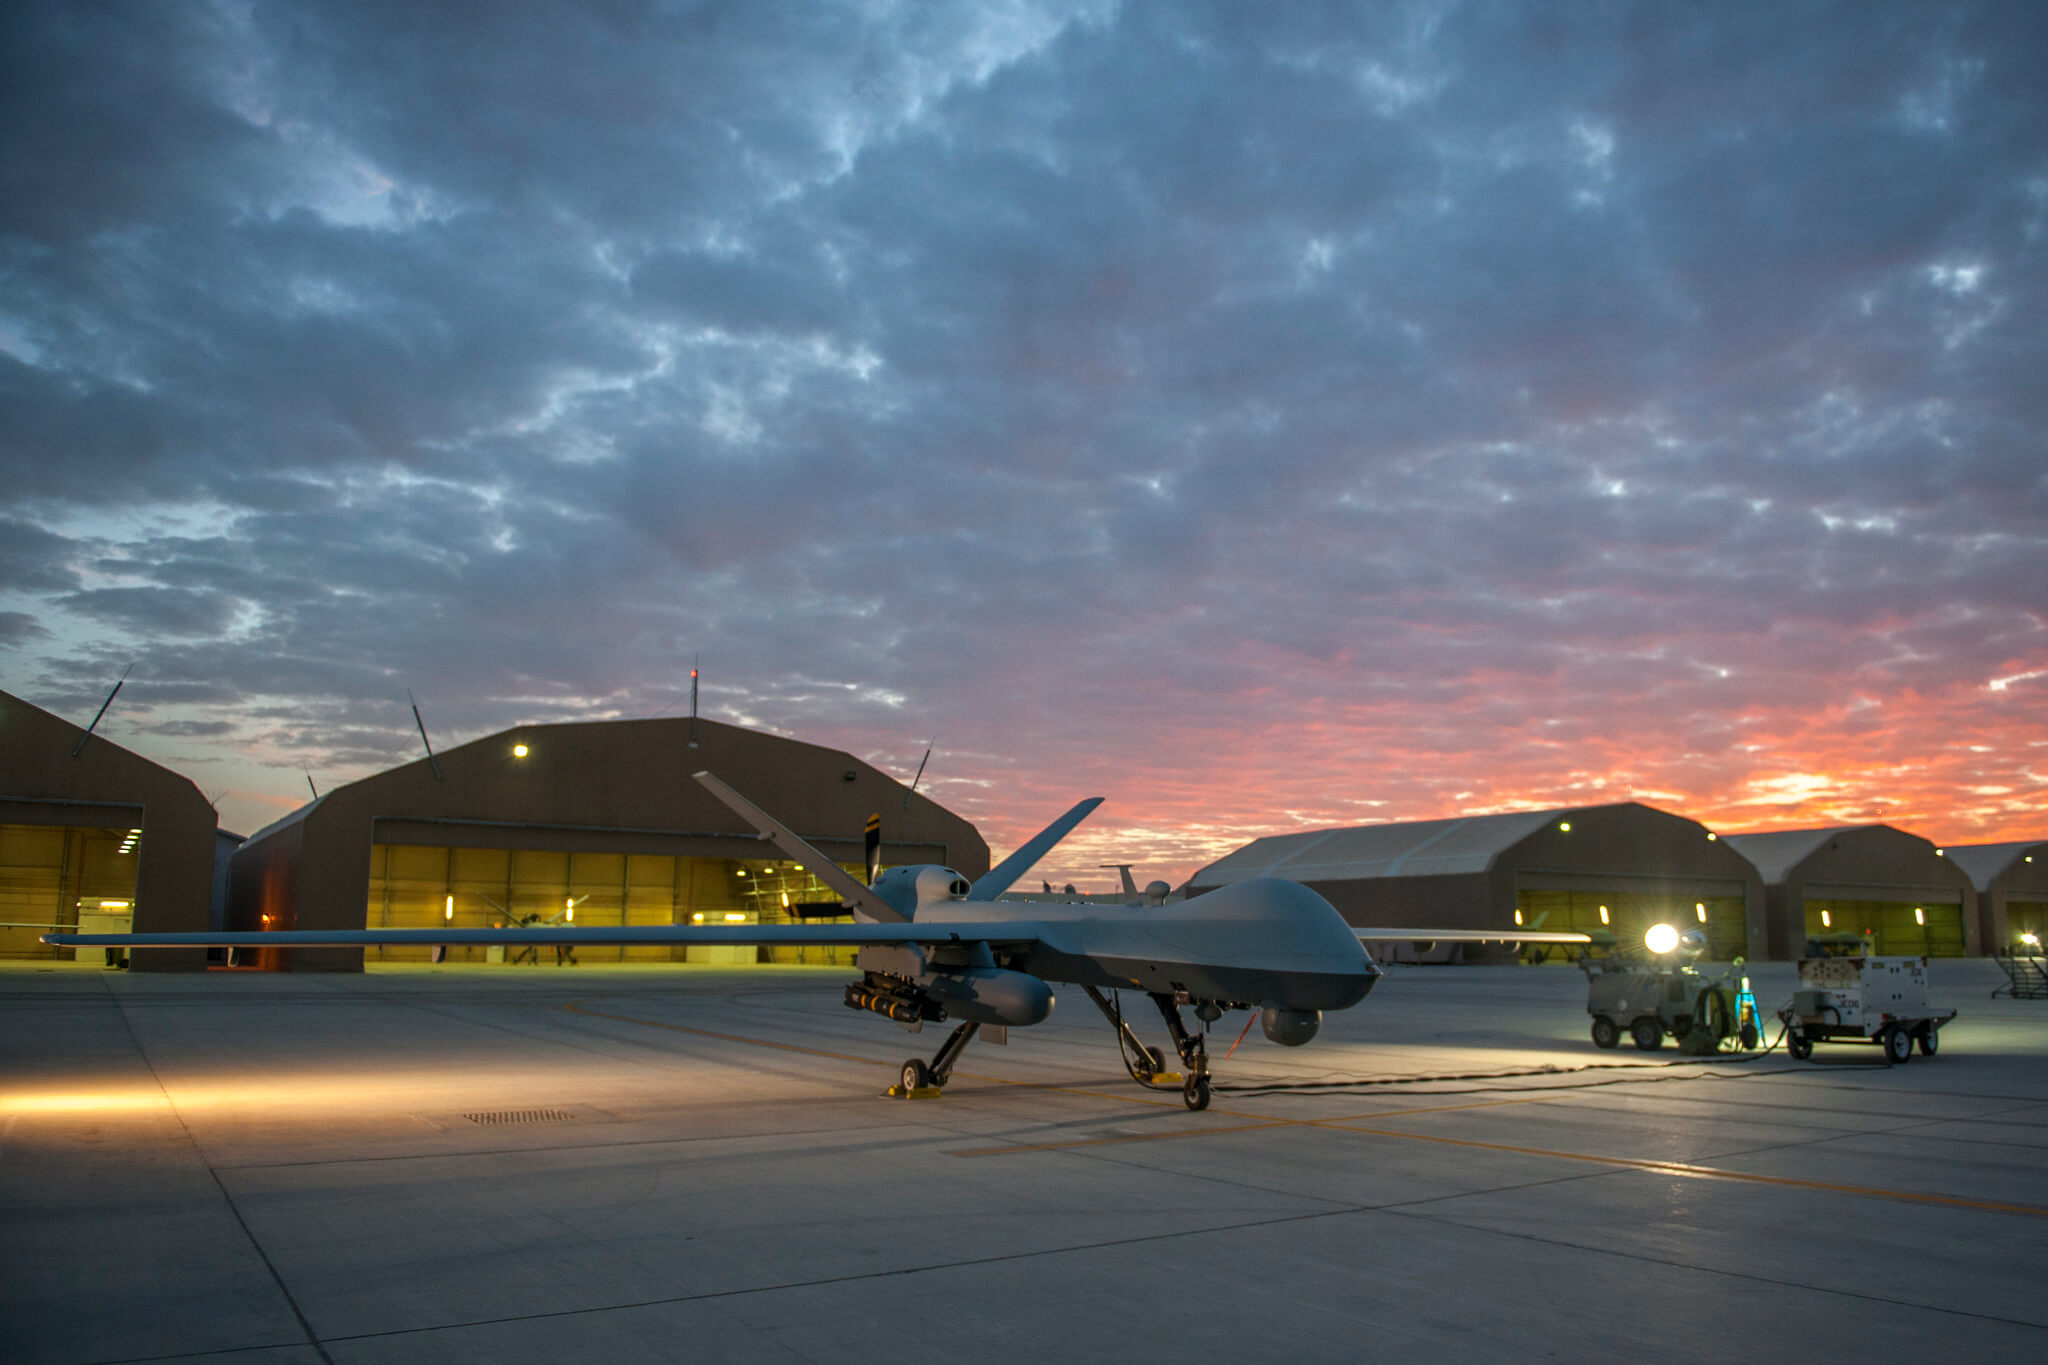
[1863,1000]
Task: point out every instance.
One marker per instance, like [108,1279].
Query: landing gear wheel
[1158,1059]
[1898,1046]
[1195,1093]
[1648,1034]
[916,1075]
[1798,1046]
[1606,1033]
[1930,1041]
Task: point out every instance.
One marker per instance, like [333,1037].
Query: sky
[1267,417]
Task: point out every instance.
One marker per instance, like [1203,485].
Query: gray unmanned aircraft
[936,947]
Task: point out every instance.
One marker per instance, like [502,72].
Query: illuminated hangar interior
[588,823]
[1869,886]
[2011,881]
[1608,871]
[95,838]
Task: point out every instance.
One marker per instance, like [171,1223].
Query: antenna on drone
[102,711]
[432,762]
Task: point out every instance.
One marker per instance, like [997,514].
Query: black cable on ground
[1708,1059]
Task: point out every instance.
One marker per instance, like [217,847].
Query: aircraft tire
[916,1075]
[1195,1093]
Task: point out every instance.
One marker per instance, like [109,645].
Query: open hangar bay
[694,1163]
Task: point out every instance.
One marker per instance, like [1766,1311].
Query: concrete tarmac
[626,1164]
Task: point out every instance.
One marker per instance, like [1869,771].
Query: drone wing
[1467,936]
[767,827]
[806,935]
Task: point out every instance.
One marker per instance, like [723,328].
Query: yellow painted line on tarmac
[1697,1172]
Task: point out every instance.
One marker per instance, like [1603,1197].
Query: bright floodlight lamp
[519,751]
[2031,940]
[1661,939]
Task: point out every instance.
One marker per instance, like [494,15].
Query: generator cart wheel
[1606,1033]
[1750,1037]
[1898,1045]
[1648,1034]
[1798,1046]
[1930,1041]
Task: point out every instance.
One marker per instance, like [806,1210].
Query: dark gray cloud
[1428,405]
[18,628]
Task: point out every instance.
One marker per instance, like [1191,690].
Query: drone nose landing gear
[1147,1064]
[922,1080]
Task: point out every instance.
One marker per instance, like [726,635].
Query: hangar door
[2026,917]
[1627,907]
[50,875]
[425,886]
[1895,925]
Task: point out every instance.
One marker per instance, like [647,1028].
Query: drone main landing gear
[1147,1065]
[924,1080]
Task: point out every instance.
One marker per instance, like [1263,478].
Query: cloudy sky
[1266,416]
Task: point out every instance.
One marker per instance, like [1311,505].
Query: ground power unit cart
[1666,998]
[1863,1000]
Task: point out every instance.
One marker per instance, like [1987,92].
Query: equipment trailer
[1863,1000]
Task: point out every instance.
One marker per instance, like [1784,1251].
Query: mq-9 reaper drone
[935,947]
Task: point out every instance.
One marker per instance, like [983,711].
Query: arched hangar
[1893,890]
[584,823]
[2011,881]
[95,837]
[1613,869]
